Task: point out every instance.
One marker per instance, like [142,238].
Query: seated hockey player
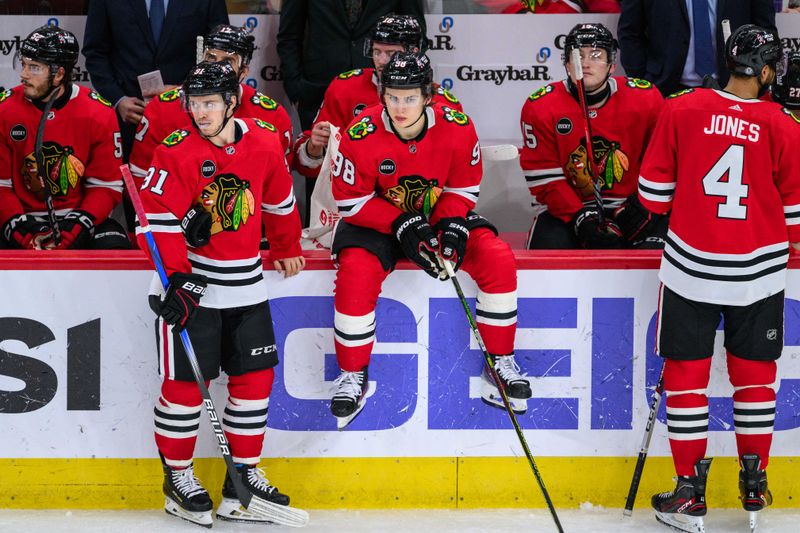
[786,89]
[164,114]
[60,147]
[234,173]
[405,181]
[726,164]
[556,162]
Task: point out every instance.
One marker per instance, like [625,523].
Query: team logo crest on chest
[612,163]
[62,171]
[230,202]
[414,194]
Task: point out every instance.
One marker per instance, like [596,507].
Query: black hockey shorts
[238,340]
[686,329]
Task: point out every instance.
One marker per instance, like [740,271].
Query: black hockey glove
[20,231]
[77,230]
[632,218]
[182,298]
[453,235]
[418,241]
[592,234]
[196,224]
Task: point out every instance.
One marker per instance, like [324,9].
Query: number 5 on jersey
[342,163]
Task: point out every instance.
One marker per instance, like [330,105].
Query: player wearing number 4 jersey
[405,181]
[726,163]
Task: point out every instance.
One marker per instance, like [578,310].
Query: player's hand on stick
[290,266]
[593,234]
[453,234]
[26,232]
[182,298]
[196,225]
[77,230]
[131,109]
[320,134]
[418,241]
[632,218]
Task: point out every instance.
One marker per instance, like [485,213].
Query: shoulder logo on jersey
[792,114]
[18,133]
[358,109]
[680,93]
[447,95]
[414,194]
[564,126]
[169,96]
[543,91]
[5,95]
[611,161]
[638,83]
[208,168]
[361,129]
[264,101]
[97,98]
[229,201]
[263,124]
[176,137]
[455,116]
[351,74]
[62,169]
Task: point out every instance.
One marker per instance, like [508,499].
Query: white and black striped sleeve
[283,208]
[351,206]
[654,191]
[161,223]
[543,176]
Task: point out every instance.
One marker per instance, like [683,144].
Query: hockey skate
[517,387]
[185,496]
[267,506]
[350,396]
[753,490]
[683,509]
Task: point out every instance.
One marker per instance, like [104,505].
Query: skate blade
[201,518]
[262,511]
[752,517]
[344,421]
[491,396]
[682,522]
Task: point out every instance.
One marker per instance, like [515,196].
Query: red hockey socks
[177,420]
[245,417]
[686,384]
[753,405]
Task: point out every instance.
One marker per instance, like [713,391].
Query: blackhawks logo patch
[5,95]
[264,102]
[612,163]
[229,201]
[265,125]
[531,5]
[457,117]
[350,74]
[543,91]
[447,95]
[361,129]
[169,96]
[792,114]
[637,83]
[62,171]
[681,93]
[97,98]
[176,137]
[414,194]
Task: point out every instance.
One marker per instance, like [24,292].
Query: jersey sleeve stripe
[535,181]
[351,206]
[113,185]
[5,183]
[656,186]
[161,223]
[470,193]
[792,214]
[136,171]
[284,208]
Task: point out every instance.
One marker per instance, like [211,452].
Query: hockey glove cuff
[453,235]
[196,224]
[592,234]
[77,230]
[632,218]
[418,241]
[182,298]
[21,230]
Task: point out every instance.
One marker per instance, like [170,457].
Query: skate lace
[348,385]
[257,478]
[508,369]
[186,482]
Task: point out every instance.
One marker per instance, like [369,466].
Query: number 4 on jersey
[730,165]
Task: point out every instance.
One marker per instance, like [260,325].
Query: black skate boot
[684,508]
[518,389]
[753,490]
[268,504]
[185,496]
[350,396]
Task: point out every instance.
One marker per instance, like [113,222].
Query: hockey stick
[288,516]
[577,70]
[199,52]
[42,174]
[474,327]
[648,434]
[726,30]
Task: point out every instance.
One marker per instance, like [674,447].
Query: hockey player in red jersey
[217,178]
[726,164]
[551,6]
[786,89]
[164,114]
[59,143]
[405,181]
[556,163]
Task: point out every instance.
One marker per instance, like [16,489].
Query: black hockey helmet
[210,77]
[408,70]
[51,45]
[750,48]
[404,30]
[786,90]
[593,35]
[232,39]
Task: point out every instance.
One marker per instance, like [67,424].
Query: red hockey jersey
[377,175]
[551,6]
[554,159]
[235,183]
[729,170]
[164,114]
[346,97]
[81,152]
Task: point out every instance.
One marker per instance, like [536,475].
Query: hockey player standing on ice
[235,170]
[405,181]
[353,91]
[726,163]
[556,164]
[80,153]
[164,114]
